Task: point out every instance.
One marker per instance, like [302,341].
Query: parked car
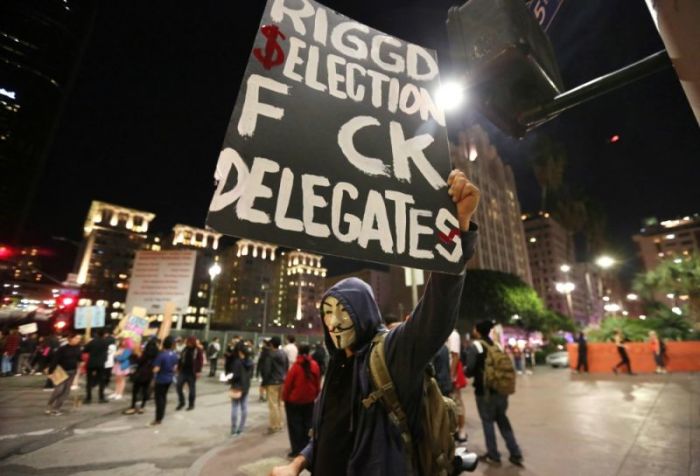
[558,359]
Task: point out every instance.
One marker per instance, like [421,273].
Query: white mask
[338,322]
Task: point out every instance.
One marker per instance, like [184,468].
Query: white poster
[159,277]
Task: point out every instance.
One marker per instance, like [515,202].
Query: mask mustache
[342,329]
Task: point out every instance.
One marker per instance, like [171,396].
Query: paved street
[565,424]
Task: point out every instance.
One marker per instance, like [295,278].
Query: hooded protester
[352,435]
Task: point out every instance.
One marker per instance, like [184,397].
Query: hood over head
[358,300]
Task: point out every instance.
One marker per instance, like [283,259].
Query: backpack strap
[385,391]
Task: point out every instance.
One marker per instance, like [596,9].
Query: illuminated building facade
[112,235]
[206,244]
[669,239]
[245,292]
[300,288]
[549,246]
[501,245]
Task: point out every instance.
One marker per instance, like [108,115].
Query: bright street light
[450,95]
[565,268]
[612,307]
[605,262]
[632,297]
[565,288]
[676,310]
[214,271]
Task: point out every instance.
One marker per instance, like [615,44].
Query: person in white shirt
[454,345]
[291,350]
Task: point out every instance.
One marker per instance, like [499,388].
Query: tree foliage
[501,296]
[680,276]
[661,319]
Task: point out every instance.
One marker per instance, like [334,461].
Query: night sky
[144,124]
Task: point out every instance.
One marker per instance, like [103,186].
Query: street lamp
[565,268]
[450,95]
[605,262]
[214,271]
[566,288]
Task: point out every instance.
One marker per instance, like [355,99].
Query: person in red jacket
[301,387]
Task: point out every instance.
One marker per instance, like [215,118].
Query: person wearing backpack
[494,380]
[353,432]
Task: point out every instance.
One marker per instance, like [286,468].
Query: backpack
[434,454]
[499,374]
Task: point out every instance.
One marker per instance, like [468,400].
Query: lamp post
[214,271]
[567,288]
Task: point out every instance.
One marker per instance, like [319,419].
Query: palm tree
[549,159]
[680,276]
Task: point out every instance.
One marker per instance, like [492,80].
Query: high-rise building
[501,245]
[246,293]
[301,286]
[669,239]
[112,235]
[549,247]
[205,243]
[41,43]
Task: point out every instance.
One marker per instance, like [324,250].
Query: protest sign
[89,317]
[160,277]
[336,144]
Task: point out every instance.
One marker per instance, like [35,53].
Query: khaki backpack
[435,453]
[499,374]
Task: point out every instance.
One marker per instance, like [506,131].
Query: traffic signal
[67,302]
[507,60]
[6,252]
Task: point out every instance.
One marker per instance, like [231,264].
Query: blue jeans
[492,409]
[236,405]
[6,364]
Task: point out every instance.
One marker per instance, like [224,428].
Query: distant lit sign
[545,11]
[96,314]
[9,94]
[28,328]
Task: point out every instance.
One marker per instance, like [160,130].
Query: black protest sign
[336,144]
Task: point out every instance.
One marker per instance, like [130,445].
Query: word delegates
[388,217]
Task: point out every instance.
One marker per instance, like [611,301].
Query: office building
[112,235]
[550,246]
[501,245]
[669,239]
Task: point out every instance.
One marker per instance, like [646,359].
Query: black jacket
[97,349]
[377,448]
[274,368]
[242,371]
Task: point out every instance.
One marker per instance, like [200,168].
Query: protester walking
[97,350]
[582,363]
[321,357]
[213,352]
[164,368]
[265,355]
[240,386]
[27,347]
[494,379]
[141,377]
[121,368]
[66,358]
[301,387]
[658,347]
[189,369]
[273,373]
[620,340]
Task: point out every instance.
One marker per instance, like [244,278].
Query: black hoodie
[376,446]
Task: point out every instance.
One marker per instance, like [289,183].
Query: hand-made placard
[336,144]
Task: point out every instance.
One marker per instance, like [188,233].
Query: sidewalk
[565,424]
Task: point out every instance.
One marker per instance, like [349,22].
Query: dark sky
[145,122]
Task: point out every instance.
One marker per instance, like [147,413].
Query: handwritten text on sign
[336,144]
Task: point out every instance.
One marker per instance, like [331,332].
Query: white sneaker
[117,397]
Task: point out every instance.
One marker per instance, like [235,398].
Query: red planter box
[680,357]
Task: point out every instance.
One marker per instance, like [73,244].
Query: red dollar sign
[274,54]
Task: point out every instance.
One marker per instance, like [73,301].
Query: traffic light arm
[596,87]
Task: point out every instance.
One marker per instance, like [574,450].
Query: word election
[345,227]
[373,123]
